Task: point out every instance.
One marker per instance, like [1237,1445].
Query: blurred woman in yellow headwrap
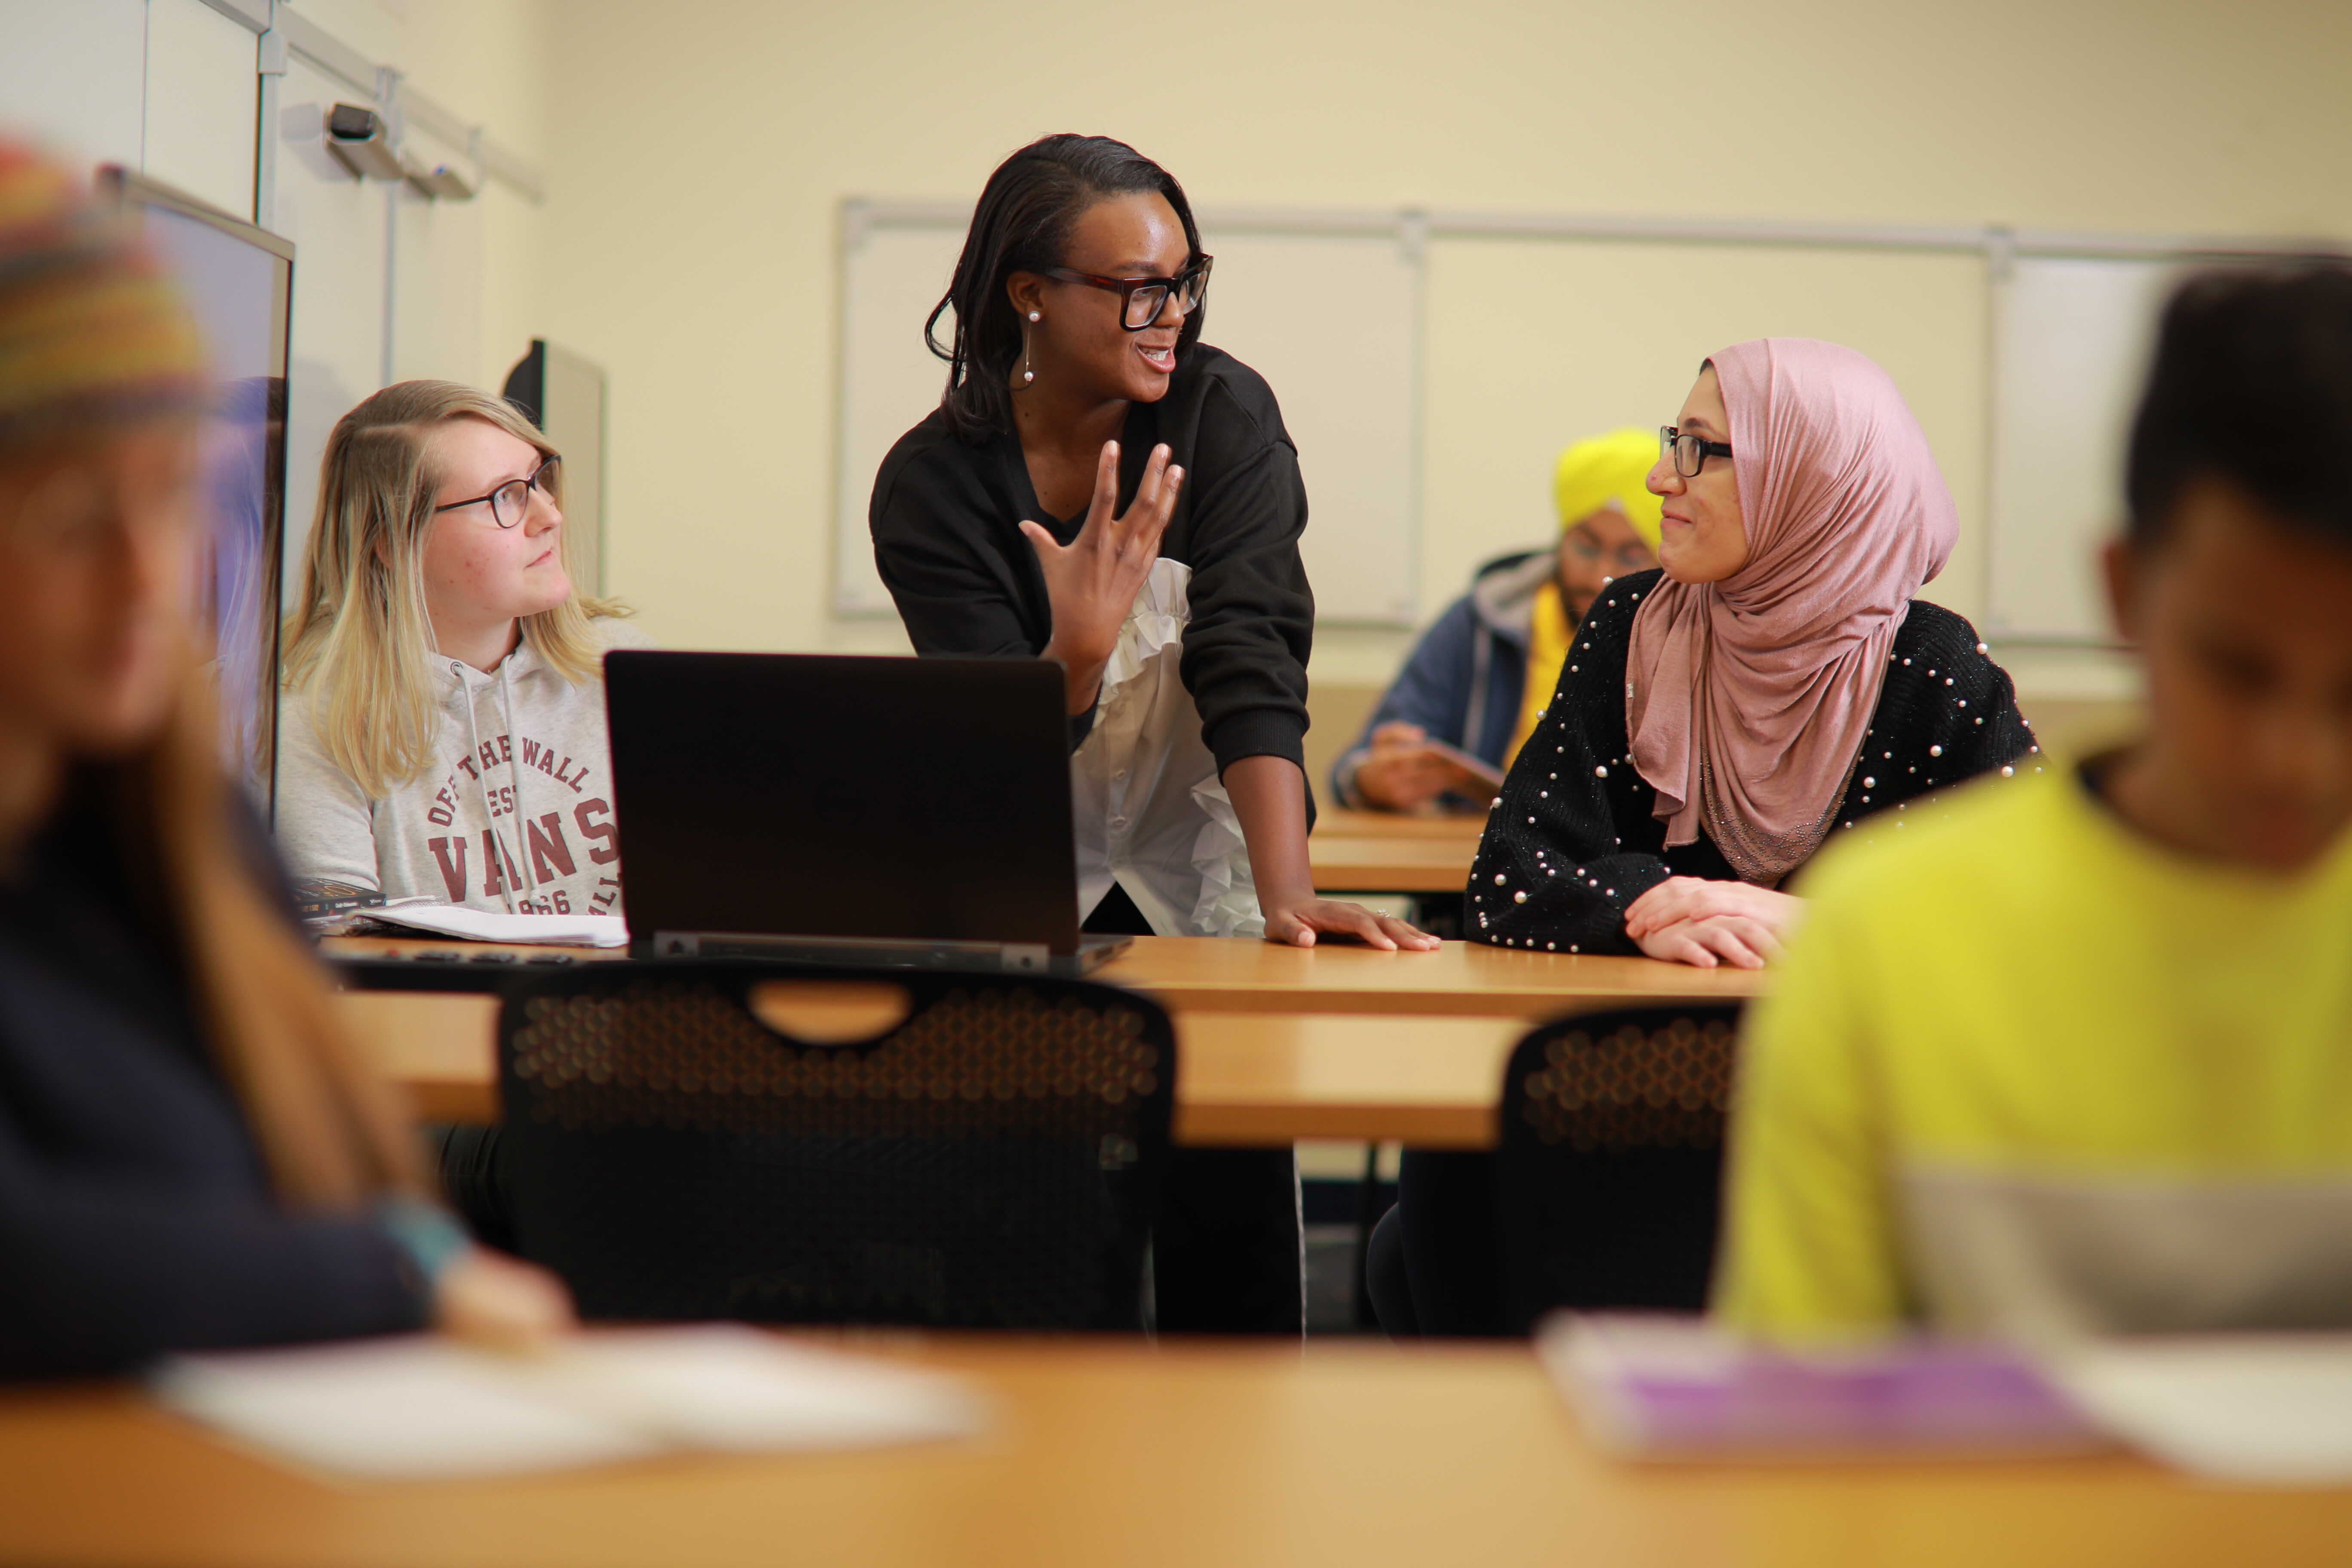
[1486,667]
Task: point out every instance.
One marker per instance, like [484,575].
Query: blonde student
[191,1154]
[443,728]
[2076,1057]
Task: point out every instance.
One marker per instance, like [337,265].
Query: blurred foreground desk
[1111,1452]
[1278,1043]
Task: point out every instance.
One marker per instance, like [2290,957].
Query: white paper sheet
[425,1408]
[2266,1409]
[483,925]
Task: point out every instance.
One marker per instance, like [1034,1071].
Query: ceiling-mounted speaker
[440,182]
[357,137]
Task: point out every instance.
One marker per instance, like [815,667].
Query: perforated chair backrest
[1608,1178]
[993,1160]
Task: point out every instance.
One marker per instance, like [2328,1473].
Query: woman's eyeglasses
[511,502]
[1140,300]
[1691,452]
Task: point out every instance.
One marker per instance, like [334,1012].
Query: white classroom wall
[172,89]
[697,157]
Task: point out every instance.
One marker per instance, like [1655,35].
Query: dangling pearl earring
[1028,374]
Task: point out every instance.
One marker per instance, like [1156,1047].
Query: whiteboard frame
[1407,228]
[1997,246]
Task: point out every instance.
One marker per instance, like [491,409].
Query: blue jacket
[1465,679]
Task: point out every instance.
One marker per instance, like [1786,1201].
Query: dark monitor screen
[239,281]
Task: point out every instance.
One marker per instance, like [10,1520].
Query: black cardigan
[1571,841]
[135,1216]
[945,517]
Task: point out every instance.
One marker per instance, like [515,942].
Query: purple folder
[1676,1387]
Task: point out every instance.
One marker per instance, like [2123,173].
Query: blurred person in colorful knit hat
[191,1153]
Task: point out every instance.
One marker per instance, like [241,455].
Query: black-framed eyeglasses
[511,502]
[1691,452]
[1140,300]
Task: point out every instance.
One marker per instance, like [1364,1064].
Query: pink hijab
[1748,698]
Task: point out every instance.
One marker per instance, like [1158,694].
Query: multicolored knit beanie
[93,332]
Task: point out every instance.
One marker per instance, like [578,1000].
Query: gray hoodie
[513,813]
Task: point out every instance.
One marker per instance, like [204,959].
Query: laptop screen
[822,795]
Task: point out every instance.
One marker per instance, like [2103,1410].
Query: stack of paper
[426,1407]
[2270,1409]
[483,925]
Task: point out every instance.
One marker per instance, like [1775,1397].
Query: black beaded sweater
[1571,841]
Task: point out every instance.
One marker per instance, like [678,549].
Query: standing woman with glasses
[443,729]
[1774,683]
[1099,488]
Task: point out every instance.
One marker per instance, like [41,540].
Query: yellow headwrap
[1611,470]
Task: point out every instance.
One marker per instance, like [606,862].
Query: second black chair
[1609,1175]
[987,1153]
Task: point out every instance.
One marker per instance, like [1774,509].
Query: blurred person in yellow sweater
[2074,1057]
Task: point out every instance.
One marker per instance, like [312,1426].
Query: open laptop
[909,811]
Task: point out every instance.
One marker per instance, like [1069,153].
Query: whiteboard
[2071,347]
[1330,320]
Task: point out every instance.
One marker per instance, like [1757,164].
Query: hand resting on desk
[1704,922]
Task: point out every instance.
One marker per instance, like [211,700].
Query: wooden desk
[1383,852]
[1245,1078]
[1193,975]
[1279,1043]
[1337,822]
[1111,1452]
[1385,864]
[1223,975]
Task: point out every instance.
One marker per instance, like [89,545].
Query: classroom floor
[1331,1281]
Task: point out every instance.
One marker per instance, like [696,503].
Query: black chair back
[1608,1178]
[991,1159]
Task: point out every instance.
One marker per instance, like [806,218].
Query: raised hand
[1091,582]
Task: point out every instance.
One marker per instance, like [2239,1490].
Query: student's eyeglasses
[511,502]
[1631,556]
[1691,452]
[1140,300]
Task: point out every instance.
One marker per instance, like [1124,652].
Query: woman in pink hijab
[1774,683]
